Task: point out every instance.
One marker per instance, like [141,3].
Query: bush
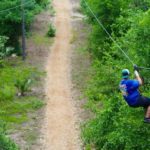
[6,143]
[4,51]
[16,78]
[115,125]
[52,31]
[43,3]
[10,21]
[23,85]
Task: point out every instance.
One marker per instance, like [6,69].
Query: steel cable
[12,8]
[102,26]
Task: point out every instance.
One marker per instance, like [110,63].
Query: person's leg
[147,115]
[145,102]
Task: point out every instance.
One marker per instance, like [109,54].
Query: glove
[136,68]
[136,73]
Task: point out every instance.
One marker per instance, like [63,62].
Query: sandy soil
[61,127]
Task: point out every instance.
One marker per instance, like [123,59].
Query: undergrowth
[15,108]
[114,125]
[51,31]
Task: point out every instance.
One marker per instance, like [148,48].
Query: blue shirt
[129,89]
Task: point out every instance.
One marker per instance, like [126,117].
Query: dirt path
[61,127]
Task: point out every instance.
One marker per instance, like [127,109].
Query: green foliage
[5,142]
[36,104]
[4,51]
[14,110]
[15,77]
[10,21]
[13,80]
[43,3]
[51,31]
[115,125]
[41,40]
[7,93]
[23,85]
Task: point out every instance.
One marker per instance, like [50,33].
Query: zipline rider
[131,94]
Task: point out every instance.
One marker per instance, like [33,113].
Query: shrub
[115,125]
[43,3]
[4,51]
[10,21]
[23,85]
[7,144]
[52,31]
[16,78]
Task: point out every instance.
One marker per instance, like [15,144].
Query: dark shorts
[142,102]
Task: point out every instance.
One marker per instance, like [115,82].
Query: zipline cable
[12,8]
[99,22]
[144,68]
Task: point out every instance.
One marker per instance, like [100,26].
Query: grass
[30,136]
[74,37]
[41,40]
[51,10]
[17,111]
[81,59]
[14,109]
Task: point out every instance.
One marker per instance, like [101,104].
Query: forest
[13,108]
[114,125]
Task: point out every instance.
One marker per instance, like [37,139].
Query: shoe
[146,120]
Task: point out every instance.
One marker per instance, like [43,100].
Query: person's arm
[138,77]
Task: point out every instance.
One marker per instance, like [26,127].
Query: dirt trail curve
[61,128]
